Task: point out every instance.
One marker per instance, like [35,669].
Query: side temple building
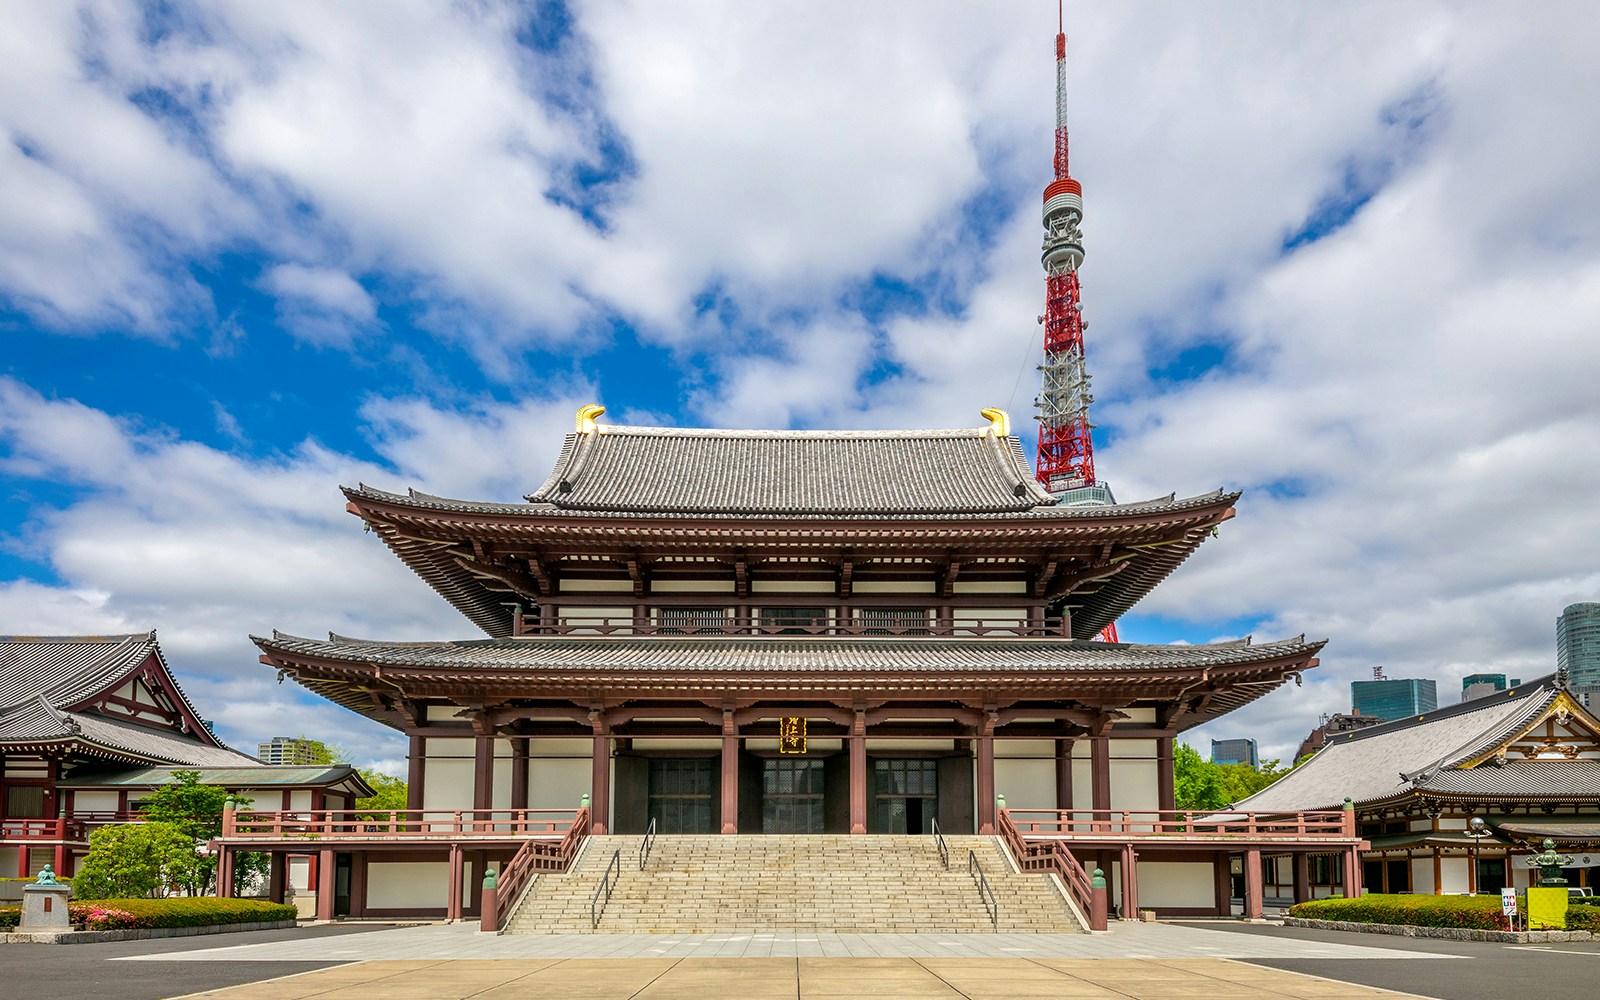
[784,632]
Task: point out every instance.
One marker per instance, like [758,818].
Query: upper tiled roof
[1419,754]
[42,678]
[791,473]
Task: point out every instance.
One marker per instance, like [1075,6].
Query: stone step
[694,884]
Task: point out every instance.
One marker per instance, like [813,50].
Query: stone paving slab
[804,979]
[464,941]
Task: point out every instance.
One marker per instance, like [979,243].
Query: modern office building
[1235,752]
[286,750]
[1474,686]
[1578,650]
[1394,698]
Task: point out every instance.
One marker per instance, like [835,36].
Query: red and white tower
[1066,450]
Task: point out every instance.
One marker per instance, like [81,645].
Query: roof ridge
[758,433]
[1527,689]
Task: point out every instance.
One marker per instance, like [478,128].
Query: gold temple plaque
[792,734]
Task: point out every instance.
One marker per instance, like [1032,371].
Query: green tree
[196,810]
[1196,783]
[133,860]
[389,792]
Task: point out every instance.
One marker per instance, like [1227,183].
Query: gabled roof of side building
[48,685]
[1450,752]
[234,777]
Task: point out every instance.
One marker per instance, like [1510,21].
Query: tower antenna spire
[1066,449]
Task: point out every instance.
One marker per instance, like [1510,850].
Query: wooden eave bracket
[520,583]
[1042,578]
[952,569]
[1067,583]
[741,576]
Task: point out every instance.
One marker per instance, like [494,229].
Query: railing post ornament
[1099,903]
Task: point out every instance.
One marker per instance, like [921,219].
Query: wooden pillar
[1352,872]
[1222,876]
[452,906]
[225,860]
[519,774]
[325,884]
[1253,892]
[858,773]
[1302,878]
[483,772]
[986,804]
[1166,790]
[1130,883]
[1064,774]
[1100,778]
[277,875]
[416,759]
[600,780]
[730,773]
[1438,874]
[59,866]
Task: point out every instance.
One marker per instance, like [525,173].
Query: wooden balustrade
[1051,855]
[383,824]
[964,628]
[1198,824]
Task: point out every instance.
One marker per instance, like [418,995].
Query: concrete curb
[1447,933]
[139,934]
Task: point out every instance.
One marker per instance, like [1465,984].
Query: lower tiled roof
[237,776]
[1542,778]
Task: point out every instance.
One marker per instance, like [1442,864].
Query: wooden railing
[540,856]
[437,824]
[42,829]
[961,627]
[1049,855]
[1135,824]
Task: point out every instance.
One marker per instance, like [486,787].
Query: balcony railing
[402,824]
[1154,824]
[958,628]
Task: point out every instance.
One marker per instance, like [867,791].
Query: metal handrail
[985,893]
[647,843]
[607,883]
[940,845]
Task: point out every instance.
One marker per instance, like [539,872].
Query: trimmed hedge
[178,911]
[1480,913]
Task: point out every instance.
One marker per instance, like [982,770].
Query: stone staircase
[861,884]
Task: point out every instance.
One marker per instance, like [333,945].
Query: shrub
[193,911]
[1471,912]
[135,859]
[1583,918]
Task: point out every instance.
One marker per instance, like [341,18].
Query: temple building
[1525,762]
[90,724]
[745,632]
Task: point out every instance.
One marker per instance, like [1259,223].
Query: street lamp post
[1477,829]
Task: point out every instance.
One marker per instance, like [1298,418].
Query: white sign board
[1508,902]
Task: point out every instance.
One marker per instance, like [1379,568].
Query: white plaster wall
[691,586]
[446,783]
[8,862]
[667,743]
[791,586]
[1137,715]
[500,795]
[991,587]
[299,799]
[564,746]
[1026,783]
[1422,875]
[1025,748]
[813,744]
[401,885]
[887,745]
[892,587]
[1176,883]
[298,874]
[1132,748]
[1082,777]
[450,746]
[99,802]
[1134,784]
[557,782]
[596,586]
[1452,874]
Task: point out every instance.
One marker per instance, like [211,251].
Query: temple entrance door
[681,794]
[905,795]
[791,795]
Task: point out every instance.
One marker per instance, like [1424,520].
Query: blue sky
[1341,258]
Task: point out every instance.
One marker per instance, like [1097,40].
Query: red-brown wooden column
[1130,883]
[986,804]
[1064,774]
[858,773]
[519,774]
[1100,777]
[1302,877]
[730,773]
[1166,781]
[416,761]
[1222,876]
[483,772]
[1352,873]
[1253,889]
[277,875]
[452,906]
[325,880]
[600,781]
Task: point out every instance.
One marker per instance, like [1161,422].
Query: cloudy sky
[1345,257]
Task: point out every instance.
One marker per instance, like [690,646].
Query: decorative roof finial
[999,421]
[586,417]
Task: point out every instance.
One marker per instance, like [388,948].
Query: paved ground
[804,979]
[1225,960]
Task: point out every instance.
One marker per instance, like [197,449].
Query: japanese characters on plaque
[792,734]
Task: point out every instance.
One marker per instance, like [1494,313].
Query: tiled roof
[792,473]
[1519,778]
[787,654]
[235,776]
[1411,755]
[42,677]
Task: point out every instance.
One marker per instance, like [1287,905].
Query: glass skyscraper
[1394,699]
[1578,650]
